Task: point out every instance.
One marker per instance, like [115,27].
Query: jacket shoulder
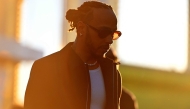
[41,80]
[54,57]
[49,58]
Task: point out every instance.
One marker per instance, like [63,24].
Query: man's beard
[90,46]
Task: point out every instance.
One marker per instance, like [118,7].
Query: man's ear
[81,28]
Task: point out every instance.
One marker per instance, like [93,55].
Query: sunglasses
[104,32]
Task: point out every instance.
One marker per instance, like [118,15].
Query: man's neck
[85,55]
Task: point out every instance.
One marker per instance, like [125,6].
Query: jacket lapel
[108,74]
[75,78]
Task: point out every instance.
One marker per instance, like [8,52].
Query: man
[79,76]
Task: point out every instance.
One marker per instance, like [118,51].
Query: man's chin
[101,53]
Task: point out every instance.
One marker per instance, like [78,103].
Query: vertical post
[9,28]
[188,48]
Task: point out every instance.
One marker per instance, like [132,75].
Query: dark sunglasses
[104,32]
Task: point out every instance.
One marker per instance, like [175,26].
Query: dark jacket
[61,81]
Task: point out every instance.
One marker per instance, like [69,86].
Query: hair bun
[72,14]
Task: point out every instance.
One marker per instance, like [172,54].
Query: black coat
[61,81]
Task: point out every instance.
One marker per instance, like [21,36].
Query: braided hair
[84,12]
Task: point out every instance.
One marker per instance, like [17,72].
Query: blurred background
[153,49]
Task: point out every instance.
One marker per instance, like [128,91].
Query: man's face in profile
[100,31]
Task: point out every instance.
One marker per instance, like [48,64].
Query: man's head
[96,24]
